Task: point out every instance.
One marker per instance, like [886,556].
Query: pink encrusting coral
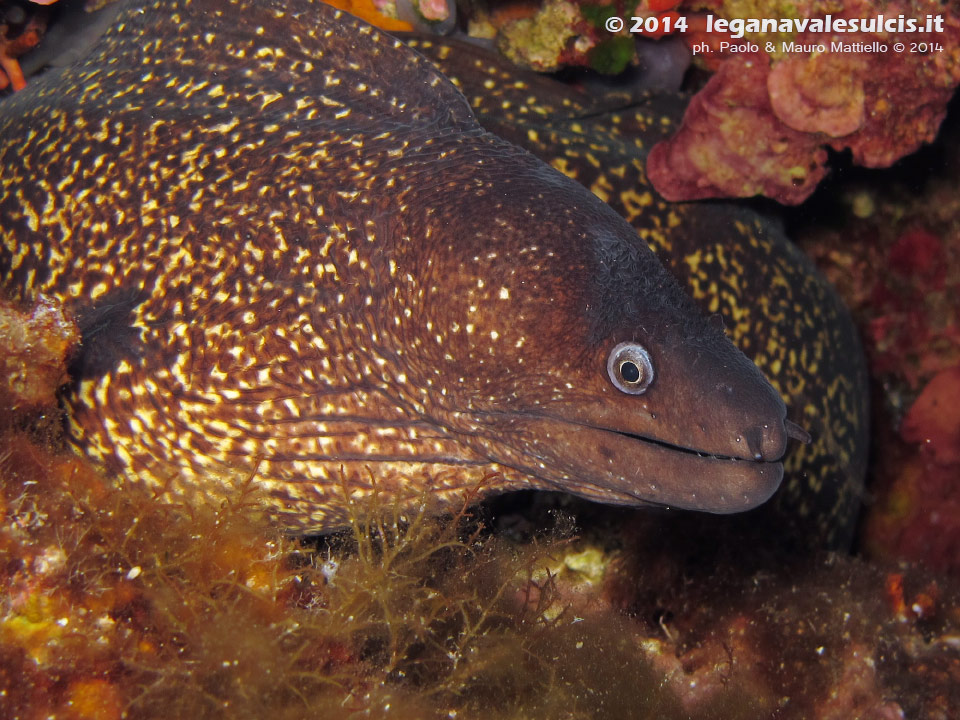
[728,145]
[761,124]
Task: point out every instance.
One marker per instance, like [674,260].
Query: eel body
[296,256]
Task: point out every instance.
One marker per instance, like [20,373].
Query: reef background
[116,605]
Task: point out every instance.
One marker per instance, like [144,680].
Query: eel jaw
[614,467]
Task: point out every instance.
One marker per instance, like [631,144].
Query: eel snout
[704,396]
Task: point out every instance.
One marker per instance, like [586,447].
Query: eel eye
[630,368]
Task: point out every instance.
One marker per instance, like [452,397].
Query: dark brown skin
[294,255]
[776,307]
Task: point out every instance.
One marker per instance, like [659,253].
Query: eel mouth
[677,448]
[622,468]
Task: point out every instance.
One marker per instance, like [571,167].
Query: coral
[134,607]
[539,42]
[912,306]
[743,635]
[803,101]
[727,144]
[857,694]
[561,33]
[798,99]
[34,347]
[763,122]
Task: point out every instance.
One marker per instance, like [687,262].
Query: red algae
[897,264]
[763,122]
[919,517]
[800,99]
[933,420]
[803,100]
[727,145]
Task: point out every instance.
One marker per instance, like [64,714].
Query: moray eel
[295,255]
[777,308]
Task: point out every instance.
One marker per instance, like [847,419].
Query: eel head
[570,355]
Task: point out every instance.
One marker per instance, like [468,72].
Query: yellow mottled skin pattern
[195,255]
[295,256]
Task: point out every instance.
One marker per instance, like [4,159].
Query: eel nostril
[767,442]
[754,438]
